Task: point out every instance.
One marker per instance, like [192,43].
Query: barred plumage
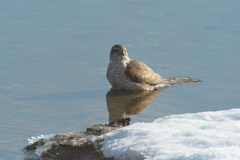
[125,73]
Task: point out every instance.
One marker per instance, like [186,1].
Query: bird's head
[119,52]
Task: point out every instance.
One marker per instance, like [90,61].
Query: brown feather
[140,73]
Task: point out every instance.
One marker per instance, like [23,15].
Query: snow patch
[205,135]
[35,139]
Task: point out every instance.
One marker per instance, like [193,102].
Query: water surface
[54,56]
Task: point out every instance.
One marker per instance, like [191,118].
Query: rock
[72,146]
[79,145]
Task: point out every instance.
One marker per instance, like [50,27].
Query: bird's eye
[124,51]
[117,50]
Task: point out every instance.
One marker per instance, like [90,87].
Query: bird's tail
[178,80]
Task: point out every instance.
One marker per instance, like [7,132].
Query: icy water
[54,56]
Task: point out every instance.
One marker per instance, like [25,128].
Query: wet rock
[72,146]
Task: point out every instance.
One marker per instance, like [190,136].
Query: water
[54,56]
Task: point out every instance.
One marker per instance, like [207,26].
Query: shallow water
[54,57]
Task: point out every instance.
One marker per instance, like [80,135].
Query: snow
[41,148]
[196,136]
[35,139]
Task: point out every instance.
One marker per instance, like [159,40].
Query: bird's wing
[140,73]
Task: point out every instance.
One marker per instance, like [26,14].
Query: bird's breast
[116,74]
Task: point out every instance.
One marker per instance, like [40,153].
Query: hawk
[125,73]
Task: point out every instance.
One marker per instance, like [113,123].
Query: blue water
[54,56]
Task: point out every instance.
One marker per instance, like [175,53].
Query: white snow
[35,139]
[41,148]
[197,136]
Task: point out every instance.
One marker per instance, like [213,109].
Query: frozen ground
[197,136]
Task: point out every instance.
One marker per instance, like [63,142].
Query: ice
[196,136]
[41,148]
[35,139]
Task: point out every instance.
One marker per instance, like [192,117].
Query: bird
[129,74]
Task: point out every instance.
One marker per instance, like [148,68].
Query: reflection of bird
[125,73]
[123,103]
